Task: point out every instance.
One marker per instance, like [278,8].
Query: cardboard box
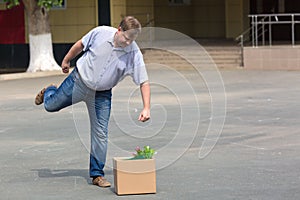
[134,176]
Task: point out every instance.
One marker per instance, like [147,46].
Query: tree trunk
[40,41]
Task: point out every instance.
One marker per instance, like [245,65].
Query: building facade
[222,19]
[195,18]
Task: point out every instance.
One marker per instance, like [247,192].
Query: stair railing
[257,29]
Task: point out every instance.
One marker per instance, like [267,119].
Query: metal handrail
[248,31]
[259,21]
[257,30]
[242,39]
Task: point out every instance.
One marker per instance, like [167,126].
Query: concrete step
[223,57]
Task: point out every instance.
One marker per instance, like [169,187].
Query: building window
[2,5]
[179,2]
[281,8]
[63,6]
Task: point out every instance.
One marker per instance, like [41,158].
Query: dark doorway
[104,12]
[280,32]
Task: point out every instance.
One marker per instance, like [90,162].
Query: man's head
[129,23]
[128,31]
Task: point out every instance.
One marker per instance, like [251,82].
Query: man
[109,55]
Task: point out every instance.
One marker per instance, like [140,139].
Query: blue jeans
[98,103]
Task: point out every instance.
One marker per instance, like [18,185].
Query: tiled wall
[274,57]
[205,18]
[69,25]
[141,9]
[200,19]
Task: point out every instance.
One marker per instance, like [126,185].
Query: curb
[24,75]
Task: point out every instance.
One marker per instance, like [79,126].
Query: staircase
[224,54]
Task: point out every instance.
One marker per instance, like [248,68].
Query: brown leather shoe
[101,182]
[39,99]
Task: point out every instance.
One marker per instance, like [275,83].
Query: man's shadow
[49,173]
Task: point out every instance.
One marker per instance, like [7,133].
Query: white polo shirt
[102,65]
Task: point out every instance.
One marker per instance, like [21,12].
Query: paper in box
[134,176]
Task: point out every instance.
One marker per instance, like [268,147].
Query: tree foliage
[42,3]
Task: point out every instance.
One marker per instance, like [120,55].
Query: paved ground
[44,155]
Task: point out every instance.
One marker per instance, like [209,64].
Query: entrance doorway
[280,32]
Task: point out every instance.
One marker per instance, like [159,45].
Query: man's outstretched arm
[145,91]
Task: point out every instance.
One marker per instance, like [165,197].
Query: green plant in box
[146,153]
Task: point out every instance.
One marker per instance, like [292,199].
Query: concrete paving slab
[45,155]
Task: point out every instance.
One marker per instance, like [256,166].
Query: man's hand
[65,69]
[145,115]
[65,66]
[73,52]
